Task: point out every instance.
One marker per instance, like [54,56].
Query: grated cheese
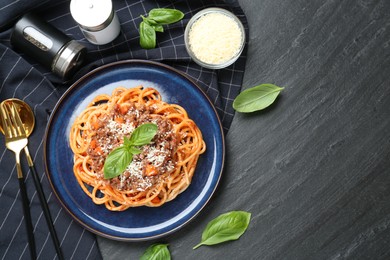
[215,38]
[120,129]
[156,156]
[135,169]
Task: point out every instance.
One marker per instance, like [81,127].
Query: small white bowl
[201,14]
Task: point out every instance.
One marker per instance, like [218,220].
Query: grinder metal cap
[69,59]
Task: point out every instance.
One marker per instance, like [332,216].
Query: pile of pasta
[166,186]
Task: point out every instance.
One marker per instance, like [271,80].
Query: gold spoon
[28,120]
[25,113]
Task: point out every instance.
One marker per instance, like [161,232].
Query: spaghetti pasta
[161,171]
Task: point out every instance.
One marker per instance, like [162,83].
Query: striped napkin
[23,78]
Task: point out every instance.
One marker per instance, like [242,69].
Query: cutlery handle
[27,218]
[46,211]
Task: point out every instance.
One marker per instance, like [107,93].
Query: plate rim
[73,87]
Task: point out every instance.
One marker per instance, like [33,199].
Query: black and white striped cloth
[24,78]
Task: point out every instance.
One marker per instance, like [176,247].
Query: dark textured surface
[313,169]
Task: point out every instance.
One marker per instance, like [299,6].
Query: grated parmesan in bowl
[214,38]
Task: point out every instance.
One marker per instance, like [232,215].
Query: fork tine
[13,130]
[5,121]
[18,124]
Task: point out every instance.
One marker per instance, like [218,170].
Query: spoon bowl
[26,115]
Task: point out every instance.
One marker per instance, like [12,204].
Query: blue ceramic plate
[140,223]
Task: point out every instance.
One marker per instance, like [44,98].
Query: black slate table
[314,168]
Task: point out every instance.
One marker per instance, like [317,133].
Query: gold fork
[16,141]
[15,118]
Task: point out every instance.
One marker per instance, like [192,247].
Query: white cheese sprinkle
[120,129]
[135,169]
[156,157]
[215,38]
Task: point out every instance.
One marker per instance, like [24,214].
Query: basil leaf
[134,150]
[116,162]
[157,252]
[165,15]
[151,22]
[158,28]
[228,226]
[126,141]
[256,98]
[147,34]
[143,134]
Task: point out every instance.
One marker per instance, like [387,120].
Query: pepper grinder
[48,45]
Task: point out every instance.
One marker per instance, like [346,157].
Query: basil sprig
[119,158]
[154,23]
[226,227]
[157,252]
[256,98]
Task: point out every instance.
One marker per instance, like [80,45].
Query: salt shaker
[96,19]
